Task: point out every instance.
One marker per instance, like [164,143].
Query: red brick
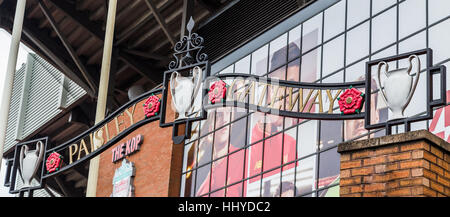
[345,157]
[414,164]
[429,192]
[429,157]
[443,181]
[437,169]
[350,164]
[356,189]
[374,194]
[415,146]
[417,154]
[399,192]
[345,173]
[374,187]
[399,174]
[399,156]
[362,154]
[437,152]
[436,186]
[429,174]
[386,150]
[374,160]
[351,195]
[350,181]
[411,182]
[362,171]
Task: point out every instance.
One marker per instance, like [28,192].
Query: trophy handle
[23,151]
[416,79]
[196,75]
[386,68]
[40,150]
[173,76]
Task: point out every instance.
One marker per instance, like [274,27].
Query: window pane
[310,69]
[234,190]
[243,66]
[312,33]
[259,61]
[190,153]
[411,17]
[438,9]
[378,6]
[358,10]
[356,72]
[202,181]
[221,142]
[333,56]
[278,52]
[287,182]
[439,41]
[328,168]
[384,29]
[357,43]
[334,20]
[330,134]
[307,138]
[294,42]
[306,175]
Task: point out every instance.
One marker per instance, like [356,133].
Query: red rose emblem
[217,92]
[53,162]
[151,106]
[351,101]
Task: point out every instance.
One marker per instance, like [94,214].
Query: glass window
[334,20]
[333,56]
[243,66]
[439,41]
[203,180]
[358,10]
[412,17]
[312,33]
[328,170]
[307,138]
[259,61]
[305,176]
[378,6]
[438,9]
[278,52]
[356,72]
[330,134]
[310,68]
[357,43]
[294,42]
[384,29]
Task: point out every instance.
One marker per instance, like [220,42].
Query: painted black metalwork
[188,54]
[430,72]
[15,167]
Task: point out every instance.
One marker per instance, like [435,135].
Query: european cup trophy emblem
[184,90]
[29,162]
[399,86]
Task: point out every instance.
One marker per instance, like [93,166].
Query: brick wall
[158,162]
[411,164]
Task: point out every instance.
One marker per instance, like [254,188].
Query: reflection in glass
[358,10]
[287,182]
[312,33]
[305,175]
[411,17]
[190,152]
[357,43]
[384,29]
[234,190]
[278,52]
[328,168]
[242,66]
[259,61]
[294,39]
[310,69]
[330,134]
[202,181]
[438,39]
[334,20]
[333,56]
[307,138]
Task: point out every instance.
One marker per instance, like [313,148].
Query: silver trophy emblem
[29,162]
[184,90]
[399,86]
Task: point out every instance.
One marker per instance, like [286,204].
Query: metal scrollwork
[188,50]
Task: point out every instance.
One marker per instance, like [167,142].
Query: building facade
[237,151]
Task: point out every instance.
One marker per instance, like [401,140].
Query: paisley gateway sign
[136,113]
[284,98]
